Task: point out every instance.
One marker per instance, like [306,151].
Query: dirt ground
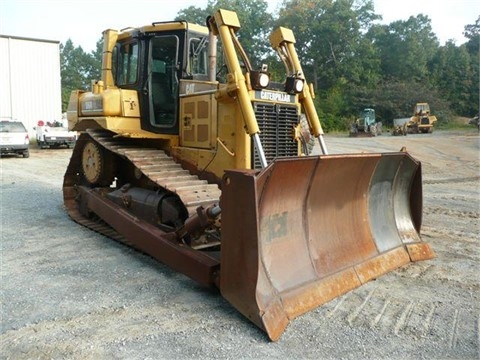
[70,293]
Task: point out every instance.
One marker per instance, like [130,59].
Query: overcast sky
[84,20]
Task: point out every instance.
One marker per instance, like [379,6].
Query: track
[152,163]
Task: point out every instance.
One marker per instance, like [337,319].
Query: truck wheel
[26,154]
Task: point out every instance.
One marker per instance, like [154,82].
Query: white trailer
[30,82]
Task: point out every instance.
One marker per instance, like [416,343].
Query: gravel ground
[70,293]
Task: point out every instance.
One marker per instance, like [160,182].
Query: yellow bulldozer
[421,121]
[210,175]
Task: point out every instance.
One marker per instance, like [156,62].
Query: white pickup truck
[54,135]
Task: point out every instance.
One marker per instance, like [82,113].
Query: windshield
[10,126]
[422,108]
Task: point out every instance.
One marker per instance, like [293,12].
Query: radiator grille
[276,123]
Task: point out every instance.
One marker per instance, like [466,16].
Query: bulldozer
[209,173]
[421,121]
[366,125]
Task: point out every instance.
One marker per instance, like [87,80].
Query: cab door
[162,85]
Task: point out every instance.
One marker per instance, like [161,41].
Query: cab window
[197,66]
[126,63]
[163,80]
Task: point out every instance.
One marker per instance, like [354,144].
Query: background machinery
[211,176]
[400,126]
[421,121]
[366,125]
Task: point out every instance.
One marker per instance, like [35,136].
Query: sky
[83,21]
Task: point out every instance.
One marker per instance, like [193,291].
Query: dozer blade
[305,230]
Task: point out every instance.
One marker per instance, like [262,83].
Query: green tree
[194,15]
[93,65]
[330,39]
[78,68]
[71,64]
[406,48]
[334,52]
[452,75]
[472,33]
[255,22]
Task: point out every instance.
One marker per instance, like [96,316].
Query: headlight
[259,79]
[263,80]
[298,85]
[294,85]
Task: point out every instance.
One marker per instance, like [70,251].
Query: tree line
[352,61]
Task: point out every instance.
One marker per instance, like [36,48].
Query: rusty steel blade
[306,230]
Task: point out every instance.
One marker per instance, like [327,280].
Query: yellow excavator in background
[212,177]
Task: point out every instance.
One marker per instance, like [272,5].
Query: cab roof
[162,26]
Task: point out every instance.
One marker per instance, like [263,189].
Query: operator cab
[153,63]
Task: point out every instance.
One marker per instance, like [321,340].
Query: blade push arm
[224,24]
[283,41]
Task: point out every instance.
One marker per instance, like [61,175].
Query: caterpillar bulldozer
[210,175]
